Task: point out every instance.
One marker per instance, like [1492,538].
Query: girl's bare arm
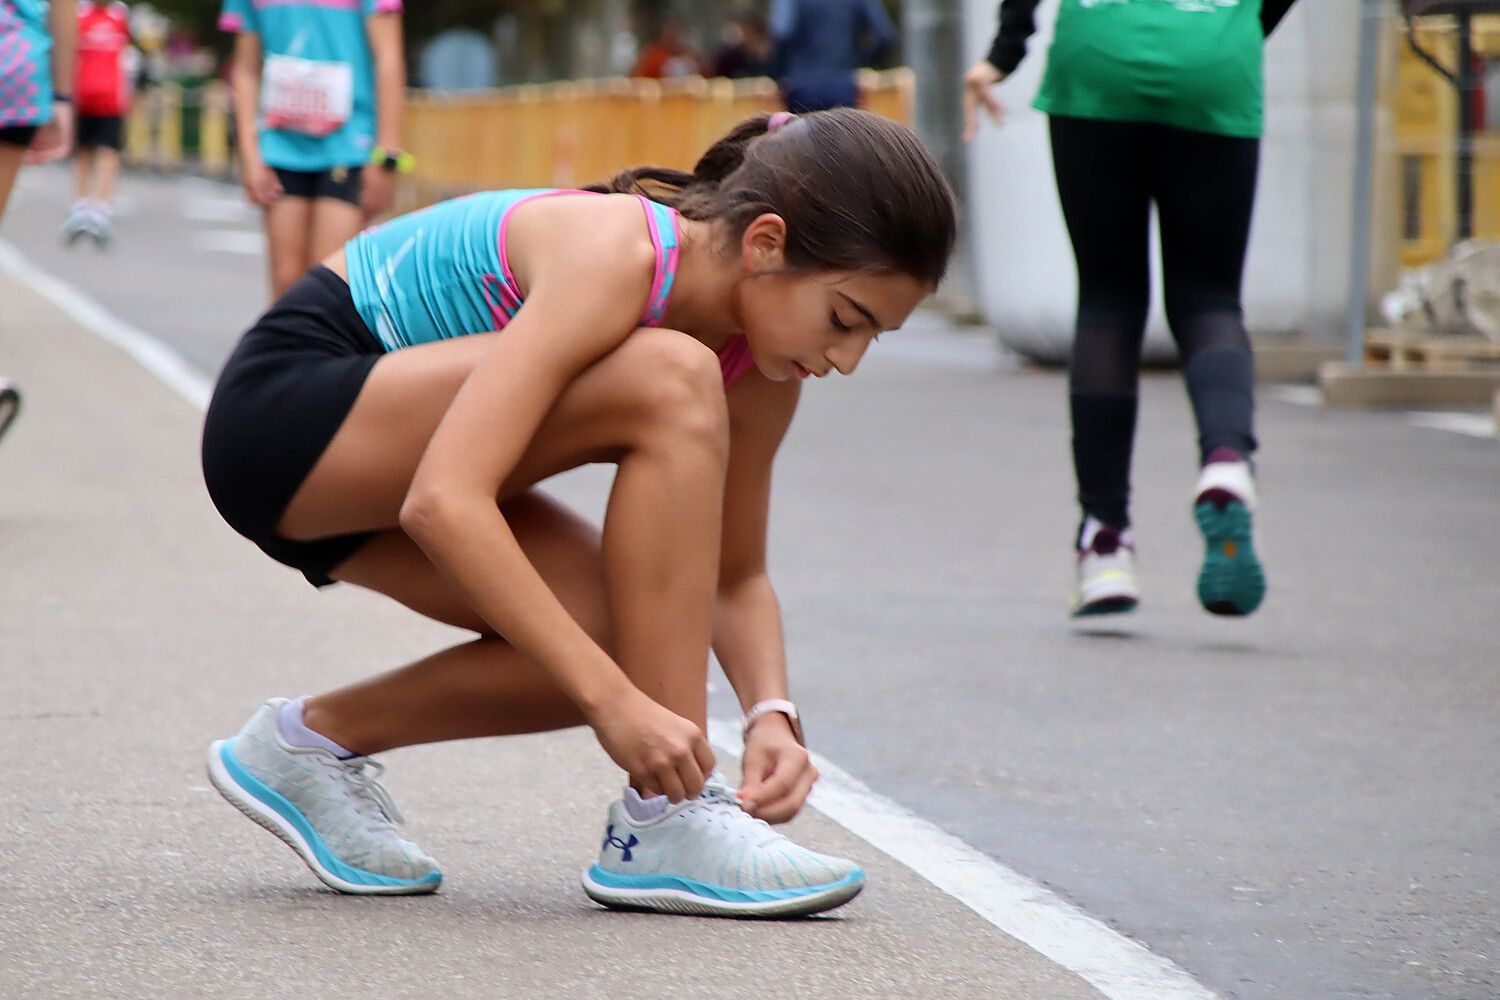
[748,637]
[451,509]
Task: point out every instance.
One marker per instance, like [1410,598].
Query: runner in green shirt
[1153,103]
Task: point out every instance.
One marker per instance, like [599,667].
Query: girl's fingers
[785,771]
[704,754]
[692,778]
[670,784]
[971,114]
[784,808]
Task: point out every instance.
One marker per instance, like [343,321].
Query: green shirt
[1193,64]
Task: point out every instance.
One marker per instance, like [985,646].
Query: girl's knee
[681,389]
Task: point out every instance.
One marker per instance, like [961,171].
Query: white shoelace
[360,776]
[721,803]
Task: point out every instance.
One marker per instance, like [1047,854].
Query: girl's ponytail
[858,192]
[671,187]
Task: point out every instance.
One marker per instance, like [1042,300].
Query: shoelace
[361,776]
[721,803]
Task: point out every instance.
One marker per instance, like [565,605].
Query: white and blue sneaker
[707,856]
[334,813]
[1107,583]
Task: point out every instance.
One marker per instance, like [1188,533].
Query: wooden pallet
[1400,351]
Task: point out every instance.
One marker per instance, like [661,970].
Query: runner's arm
[62,21]
[451,509]
[388,54]
[748,636]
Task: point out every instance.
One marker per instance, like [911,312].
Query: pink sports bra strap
[735,359]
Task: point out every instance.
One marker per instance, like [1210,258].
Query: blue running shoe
[708,857]
[1231,581]
[334,813]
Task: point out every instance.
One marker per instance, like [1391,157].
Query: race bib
[305,95]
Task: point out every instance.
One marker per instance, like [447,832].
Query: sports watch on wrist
[392,160]
[768,706]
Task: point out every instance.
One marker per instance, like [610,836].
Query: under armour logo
[610,840]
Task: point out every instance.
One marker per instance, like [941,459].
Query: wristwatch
[768,706]
[392,160]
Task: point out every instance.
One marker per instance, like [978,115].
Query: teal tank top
[441,272]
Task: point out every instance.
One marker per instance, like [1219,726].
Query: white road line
[1480,425]
[153,355]
[244,241]
[1113,964]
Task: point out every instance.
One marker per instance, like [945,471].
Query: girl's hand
[261,185]
[778,771]
[663,753]
[379,191]
[977,83]
[53,140]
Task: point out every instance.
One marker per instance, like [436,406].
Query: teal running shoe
[1231,582]
[708,857]
[334,813]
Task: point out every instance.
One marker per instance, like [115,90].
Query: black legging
[1108,176]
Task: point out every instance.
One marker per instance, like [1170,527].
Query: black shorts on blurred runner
[343,183]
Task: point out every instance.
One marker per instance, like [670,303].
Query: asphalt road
[1304,804]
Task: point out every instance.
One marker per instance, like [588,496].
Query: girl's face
[813,323]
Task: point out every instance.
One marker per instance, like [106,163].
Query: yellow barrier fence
[1426,115]
[577,132]
[544,135]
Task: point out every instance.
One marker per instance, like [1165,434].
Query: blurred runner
[820,44]
[101,96]
[318,92]
[36,111]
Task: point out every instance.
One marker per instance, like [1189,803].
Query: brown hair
[858,192]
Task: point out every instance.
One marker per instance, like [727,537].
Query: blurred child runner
[37,43]
[318,91]
[372,428]
[101,96]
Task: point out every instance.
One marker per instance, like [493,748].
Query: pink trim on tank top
[734,358]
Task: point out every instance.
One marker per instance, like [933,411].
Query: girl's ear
[763,247]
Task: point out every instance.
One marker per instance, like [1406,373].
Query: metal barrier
[544,135]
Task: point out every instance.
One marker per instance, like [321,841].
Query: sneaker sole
[273,812]
[667,894]
[1231,582]
[1115,594]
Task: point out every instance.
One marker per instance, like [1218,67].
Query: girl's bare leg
[10,165]
[288,223]
[83,170]
[481,688]
[109,172]
[334,223]
[655,406]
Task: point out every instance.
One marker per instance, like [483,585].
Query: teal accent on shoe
[614,880]
[1107,606]
[293,815]
[1231,581]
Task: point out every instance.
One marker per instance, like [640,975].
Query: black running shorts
[342,183]
[280,399]
[95,131]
